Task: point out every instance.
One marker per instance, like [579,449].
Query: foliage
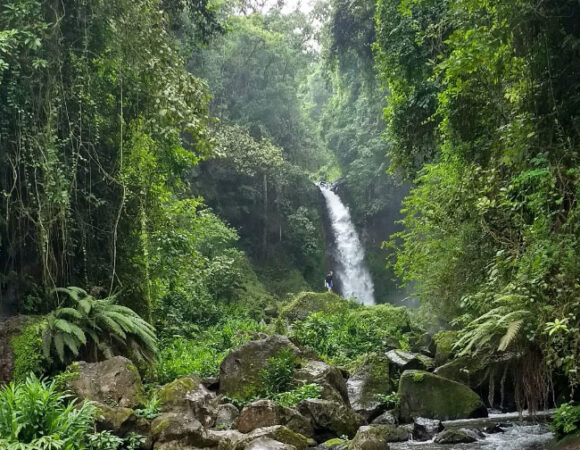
[343,337]
[203,353]
[96,327]
[276,377]
[292,397]
[389,401]
[566,419]
[151,409]
[35,415]
[28,353]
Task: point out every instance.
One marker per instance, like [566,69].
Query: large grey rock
[277,433]
[461,436]
[423,394]
[240,371]
[424,429]
[114,382]
[377,437]
[265,443]
[227,415]
[386,418]
[9,329]
[266,413]
[403,360]
[189,396]
[184,429]
[328,377]
[371,380]
[330,419]
[121,421]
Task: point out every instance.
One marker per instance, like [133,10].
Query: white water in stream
[351,273]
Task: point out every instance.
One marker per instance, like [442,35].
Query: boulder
[266,413]
[115,382]
[330,378]
[466,370]
[185,429]
[460,436]
[377,437]
[173,445]
[308,302]
[188,395]
[444,341]
[402,360]
[423,394]
[240,371]
[386,418]
[9,329]
[425,429]
[367,383]
[333,444]
[330,419]
[277,433]
[227,415]
[121,421]
[265,443]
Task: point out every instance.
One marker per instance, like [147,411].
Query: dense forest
[160,224]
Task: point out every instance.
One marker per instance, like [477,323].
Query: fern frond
[510,334]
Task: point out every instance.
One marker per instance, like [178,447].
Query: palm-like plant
[99,326]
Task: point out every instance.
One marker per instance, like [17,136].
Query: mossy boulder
[328,377]
[227,415]
[266,413]
[401,360]
[466,370]
[264,443]
[185,429]
[423,394]
[240,371]
[377,437]
[115,382]
[444,341]
[277,433]
[460,436]
[121,421]
[330,419]
[333,444]
[370,380]
[190,396]
[10,332]
[308,302]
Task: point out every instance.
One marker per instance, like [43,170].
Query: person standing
[328,282]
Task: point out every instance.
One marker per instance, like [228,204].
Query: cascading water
[352,273]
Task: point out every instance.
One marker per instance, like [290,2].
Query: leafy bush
[97,328]
[35,415]
[344,336]
[277,376]
[295,396]
[566,419]
[152,408]
[28,353]
[203,353]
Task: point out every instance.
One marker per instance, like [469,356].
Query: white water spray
[351,272]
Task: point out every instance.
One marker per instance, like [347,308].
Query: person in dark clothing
[328,281]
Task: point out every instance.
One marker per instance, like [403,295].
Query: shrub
[38,416]
[295,396]
[28,353]
[277,376]
[566,419]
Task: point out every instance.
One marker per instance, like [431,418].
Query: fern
[97,325]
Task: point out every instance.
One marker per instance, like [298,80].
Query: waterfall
[351,272]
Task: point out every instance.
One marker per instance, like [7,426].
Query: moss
[308,302]
[176,390]
[28,353]
[444,341]
[437,398]
[159,426]
[377,381]
[335,441]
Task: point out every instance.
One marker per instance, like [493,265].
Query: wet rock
[493,429]
[190,397]
[114,382]
[227,415]
[377,437]
[184,429]
[425,429]
[403,360]
[423,394]
[386,418]
[277,433]
[368,382]
[461,436]
[330,378]
[240,370]
[265,443]
[265,413]
[330,419]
